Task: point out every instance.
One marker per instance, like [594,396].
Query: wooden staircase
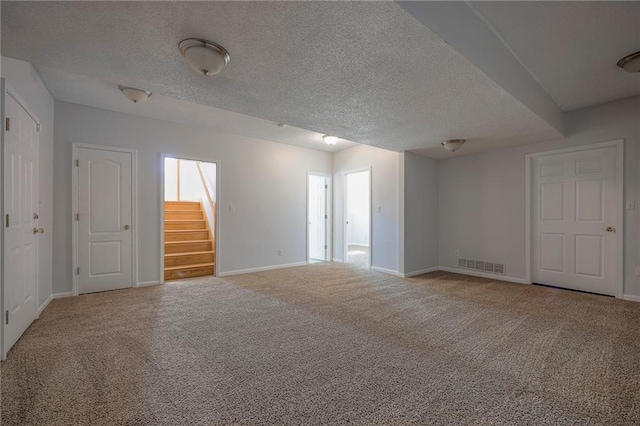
[188,242]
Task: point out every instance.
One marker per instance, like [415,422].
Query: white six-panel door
[574,218]
[104,236]
[20,220]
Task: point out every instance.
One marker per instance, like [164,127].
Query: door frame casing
[619,145]
[217,212]
[328,231]
[345,193]
[6,89]
[75,147]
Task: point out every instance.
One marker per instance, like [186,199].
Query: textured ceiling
[98,93]
[367,72]
[571,48]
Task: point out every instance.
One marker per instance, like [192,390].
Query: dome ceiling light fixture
[137,96]
[203,56]
[330,140]
[452,145]
[630,63]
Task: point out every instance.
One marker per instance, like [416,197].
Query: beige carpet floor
[328,344]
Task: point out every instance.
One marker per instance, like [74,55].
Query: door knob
[127,227]
[38,231]
[611,229]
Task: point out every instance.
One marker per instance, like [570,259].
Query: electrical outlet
[379,209]
[232,208]
[631,205]
[280,252]
[456,253]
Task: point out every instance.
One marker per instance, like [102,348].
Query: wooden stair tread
[186,230]
[184,220]
[187,241]
[182,202]
[189,253]
[199,265]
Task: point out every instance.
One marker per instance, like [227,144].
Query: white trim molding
[619,145]
[631,298]
[336,259]
[420,272]
[387,271]
[261,269]
[62,295]
[147,283]
[44,305]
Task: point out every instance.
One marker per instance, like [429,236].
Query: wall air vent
[482,266]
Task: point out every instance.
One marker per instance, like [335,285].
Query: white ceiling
[367,72]
[571,48]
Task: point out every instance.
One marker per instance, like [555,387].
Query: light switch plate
[631,205]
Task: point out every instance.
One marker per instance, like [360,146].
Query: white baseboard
[147,283]
[335,259]
[45,304]
[631,298]
[386,271]
[261,269]
[483,275]
[61,295]
[420,272]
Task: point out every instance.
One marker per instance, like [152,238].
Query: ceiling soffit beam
[458,24]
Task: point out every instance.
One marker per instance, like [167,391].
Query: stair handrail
[206,187]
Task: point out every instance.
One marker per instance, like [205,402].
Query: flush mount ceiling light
[137,96]
[203,56]
[330,140]
[630,63]
[453,145]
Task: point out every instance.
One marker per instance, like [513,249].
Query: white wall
[482,197]
[420,213]
[24,79]
[385,193]
[265,181]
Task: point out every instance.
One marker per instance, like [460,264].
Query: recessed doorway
[357,229]
[189,223]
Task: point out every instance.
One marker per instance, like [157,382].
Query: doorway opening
[318,222]
[357,234]
[190,218]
